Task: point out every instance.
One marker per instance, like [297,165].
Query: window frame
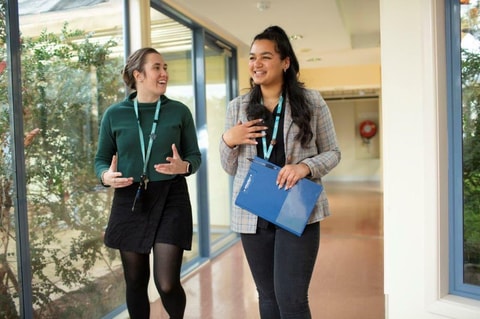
[202,35]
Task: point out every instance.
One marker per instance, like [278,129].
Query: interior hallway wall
[360,161]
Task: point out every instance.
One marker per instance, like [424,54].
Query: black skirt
[163,214]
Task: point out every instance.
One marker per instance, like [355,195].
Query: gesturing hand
[113,178]
[244,133]
[175,164]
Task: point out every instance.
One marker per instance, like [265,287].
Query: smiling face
[265,64]
[152,82]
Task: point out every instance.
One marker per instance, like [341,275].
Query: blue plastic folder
[289,209]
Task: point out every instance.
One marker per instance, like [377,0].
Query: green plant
[471,155]
[471,149]
[68,80]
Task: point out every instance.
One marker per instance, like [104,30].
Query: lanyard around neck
[268,151]
[146,157]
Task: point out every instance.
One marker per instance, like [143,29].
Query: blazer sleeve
[228,155]
[328,152]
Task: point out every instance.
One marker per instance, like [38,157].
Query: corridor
[348,278]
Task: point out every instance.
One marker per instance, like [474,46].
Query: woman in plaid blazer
[291,126]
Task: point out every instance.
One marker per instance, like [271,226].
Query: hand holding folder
[289,209]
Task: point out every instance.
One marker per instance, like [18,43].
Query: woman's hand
[290,174]
[244,133]
[114,178]
[174,166]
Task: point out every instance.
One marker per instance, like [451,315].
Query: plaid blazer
[321,155]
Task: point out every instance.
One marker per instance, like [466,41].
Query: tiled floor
[348,278]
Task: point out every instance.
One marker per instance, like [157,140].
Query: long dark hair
[292,87]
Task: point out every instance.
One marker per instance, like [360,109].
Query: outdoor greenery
[471,148]
[471,156]
[68,79]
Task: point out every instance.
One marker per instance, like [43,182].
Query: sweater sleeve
[190,151]
[106,146]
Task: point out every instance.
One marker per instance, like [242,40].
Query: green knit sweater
[119,135]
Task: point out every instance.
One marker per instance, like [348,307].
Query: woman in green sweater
[147,145]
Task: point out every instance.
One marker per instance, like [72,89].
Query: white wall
[415,166]
[360,161]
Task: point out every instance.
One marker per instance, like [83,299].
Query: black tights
[167,262]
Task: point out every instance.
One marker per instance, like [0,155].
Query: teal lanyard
[152,134]
[268,152]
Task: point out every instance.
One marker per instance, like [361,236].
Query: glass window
[217,56]
[212,74]
[174,41]
[463,46]
[70,74]
[470,47]
[71,56]
[9,279]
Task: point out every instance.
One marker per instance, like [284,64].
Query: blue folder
[288,209]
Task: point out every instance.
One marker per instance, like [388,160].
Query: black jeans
[282,264]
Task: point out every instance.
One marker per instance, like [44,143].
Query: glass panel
[9,281]
[174,41]
[70,74]
[219,197]
[470,45]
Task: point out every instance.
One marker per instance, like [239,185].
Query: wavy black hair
[292,87]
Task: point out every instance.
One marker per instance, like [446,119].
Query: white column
[139,11]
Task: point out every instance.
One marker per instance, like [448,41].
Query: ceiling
[333,32]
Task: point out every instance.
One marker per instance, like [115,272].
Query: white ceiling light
[294,37]
[263,5]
